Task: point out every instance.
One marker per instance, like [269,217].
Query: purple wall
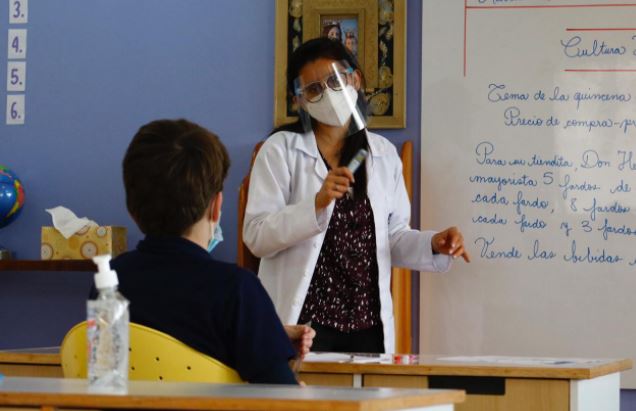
[96,72]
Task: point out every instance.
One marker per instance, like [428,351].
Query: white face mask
[335,107]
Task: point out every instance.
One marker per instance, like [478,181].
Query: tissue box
[85,244]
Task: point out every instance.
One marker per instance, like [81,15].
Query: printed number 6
[14,112]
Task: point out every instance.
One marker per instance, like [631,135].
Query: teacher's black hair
[313,50]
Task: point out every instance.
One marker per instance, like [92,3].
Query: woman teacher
[327,237]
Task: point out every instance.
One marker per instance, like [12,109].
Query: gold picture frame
[379,26]
[320,14]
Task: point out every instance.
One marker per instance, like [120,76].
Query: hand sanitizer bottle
[107,331]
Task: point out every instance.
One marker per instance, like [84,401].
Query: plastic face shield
[328,94]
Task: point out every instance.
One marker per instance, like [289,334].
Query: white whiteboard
[563,283]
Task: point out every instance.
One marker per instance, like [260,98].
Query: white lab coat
[281,225]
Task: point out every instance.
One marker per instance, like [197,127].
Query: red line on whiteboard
[600,70]
[554,6]
[465,24]
[602,29]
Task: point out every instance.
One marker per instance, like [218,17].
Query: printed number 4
[15,44]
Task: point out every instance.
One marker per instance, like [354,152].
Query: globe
[11,196]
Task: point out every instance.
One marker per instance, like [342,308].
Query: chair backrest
[401,283]
[245,258]
[153,356]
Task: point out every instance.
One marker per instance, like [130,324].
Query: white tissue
[66,222]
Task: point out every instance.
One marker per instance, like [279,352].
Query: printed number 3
[17,12]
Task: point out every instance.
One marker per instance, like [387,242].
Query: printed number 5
[15,78]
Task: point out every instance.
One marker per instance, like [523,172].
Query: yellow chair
[153,356]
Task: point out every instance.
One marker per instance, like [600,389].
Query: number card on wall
[18,11]
[16,76]
[15,109]
[17,44]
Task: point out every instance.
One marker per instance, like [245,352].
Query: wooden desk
[31,362]
[50,393]
[47,265]
[590,386]
[520,388]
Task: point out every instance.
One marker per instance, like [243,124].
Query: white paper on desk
[327,357]
[348,358]
[492,359]
[366,359]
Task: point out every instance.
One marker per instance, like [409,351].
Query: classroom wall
[98,70]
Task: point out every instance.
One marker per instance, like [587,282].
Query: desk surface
[60,392]
[31,356]
[417,365]
[498,367]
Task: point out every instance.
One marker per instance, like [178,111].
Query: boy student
[173,176]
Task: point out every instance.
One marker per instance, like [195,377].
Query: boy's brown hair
[172,170]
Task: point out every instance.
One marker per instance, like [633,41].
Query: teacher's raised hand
[450,242]
[335,186]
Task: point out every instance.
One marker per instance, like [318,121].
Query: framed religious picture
[374,31]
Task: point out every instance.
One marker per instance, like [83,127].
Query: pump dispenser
[107,332]
[104,277]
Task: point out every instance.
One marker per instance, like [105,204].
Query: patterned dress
[344,292]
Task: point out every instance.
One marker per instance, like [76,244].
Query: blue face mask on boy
[217,237]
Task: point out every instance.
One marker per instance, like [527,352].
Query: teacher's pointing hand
[450,242]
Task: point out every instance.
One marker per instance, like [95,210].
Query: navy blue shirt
[217,308]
